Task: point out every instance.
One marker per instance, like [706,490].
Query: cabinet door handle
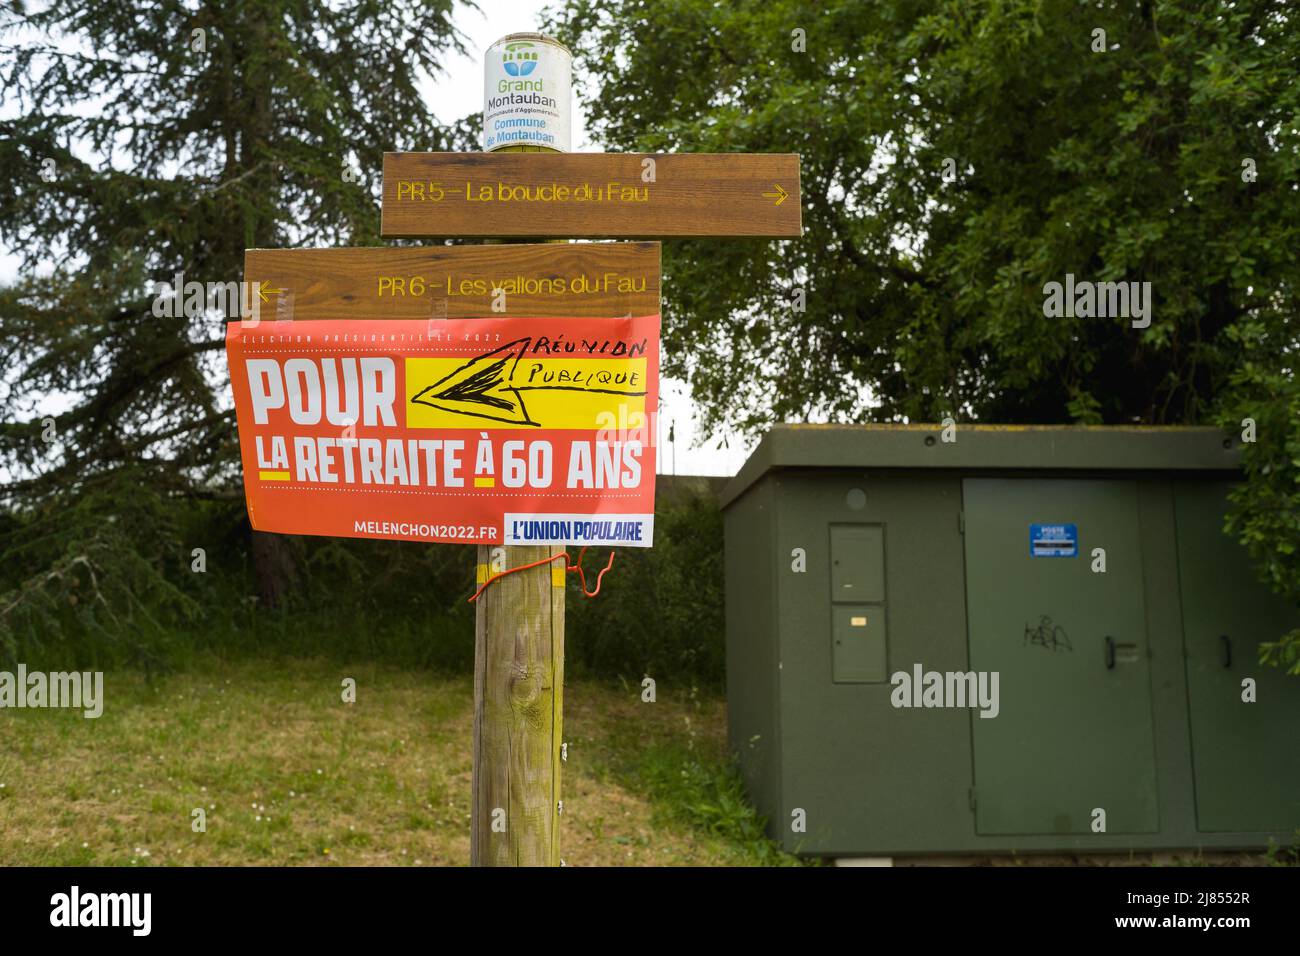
[1110,653]
[1227,650]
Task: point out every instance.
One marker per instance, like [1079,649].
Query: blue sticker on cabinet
[1053,541]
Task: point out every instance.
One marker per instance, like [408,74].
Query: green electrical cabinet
[1017,639]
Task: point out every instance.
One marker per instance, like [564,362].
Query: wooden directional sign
[592,195]
[598,279]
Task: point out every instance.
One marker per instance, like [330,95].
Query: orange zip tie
[569,568]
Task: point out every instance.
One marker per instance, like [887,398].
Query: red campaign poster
[472,431]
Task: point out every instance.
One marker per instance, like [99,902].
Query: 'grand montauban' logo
[519,59]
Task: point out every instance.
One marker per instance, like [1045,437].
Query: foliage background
[923,296]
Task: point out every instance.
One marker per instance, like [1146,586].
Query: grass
[287,774]
[672,755]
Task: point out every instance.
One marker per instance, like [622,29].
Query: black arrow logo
[483,388]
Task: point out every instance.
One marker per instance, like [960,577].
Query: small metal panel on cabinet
[858,638]
[858,562]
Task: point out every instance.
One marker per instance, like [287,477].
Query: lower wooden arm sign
[473,431]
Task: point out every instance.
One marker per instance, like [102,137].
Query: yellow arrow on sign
[779,195]
[262,291]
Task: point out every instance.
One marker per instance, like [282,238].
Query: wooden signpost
[532,187]
[519,621]
[591,195]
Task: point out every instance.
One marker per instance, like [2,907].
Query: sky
[459,92]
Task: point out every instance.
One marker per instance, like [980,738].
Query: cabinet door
[859,651]
[1069,644]
[1245,756]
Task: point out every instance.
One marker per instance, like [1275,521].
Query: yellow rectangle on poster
[530,393]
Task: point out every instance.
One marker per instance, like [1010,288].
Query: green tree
[150,138]
[956,157]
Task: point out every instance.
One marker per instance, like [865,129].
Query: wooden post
[519,655]
[518,711]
